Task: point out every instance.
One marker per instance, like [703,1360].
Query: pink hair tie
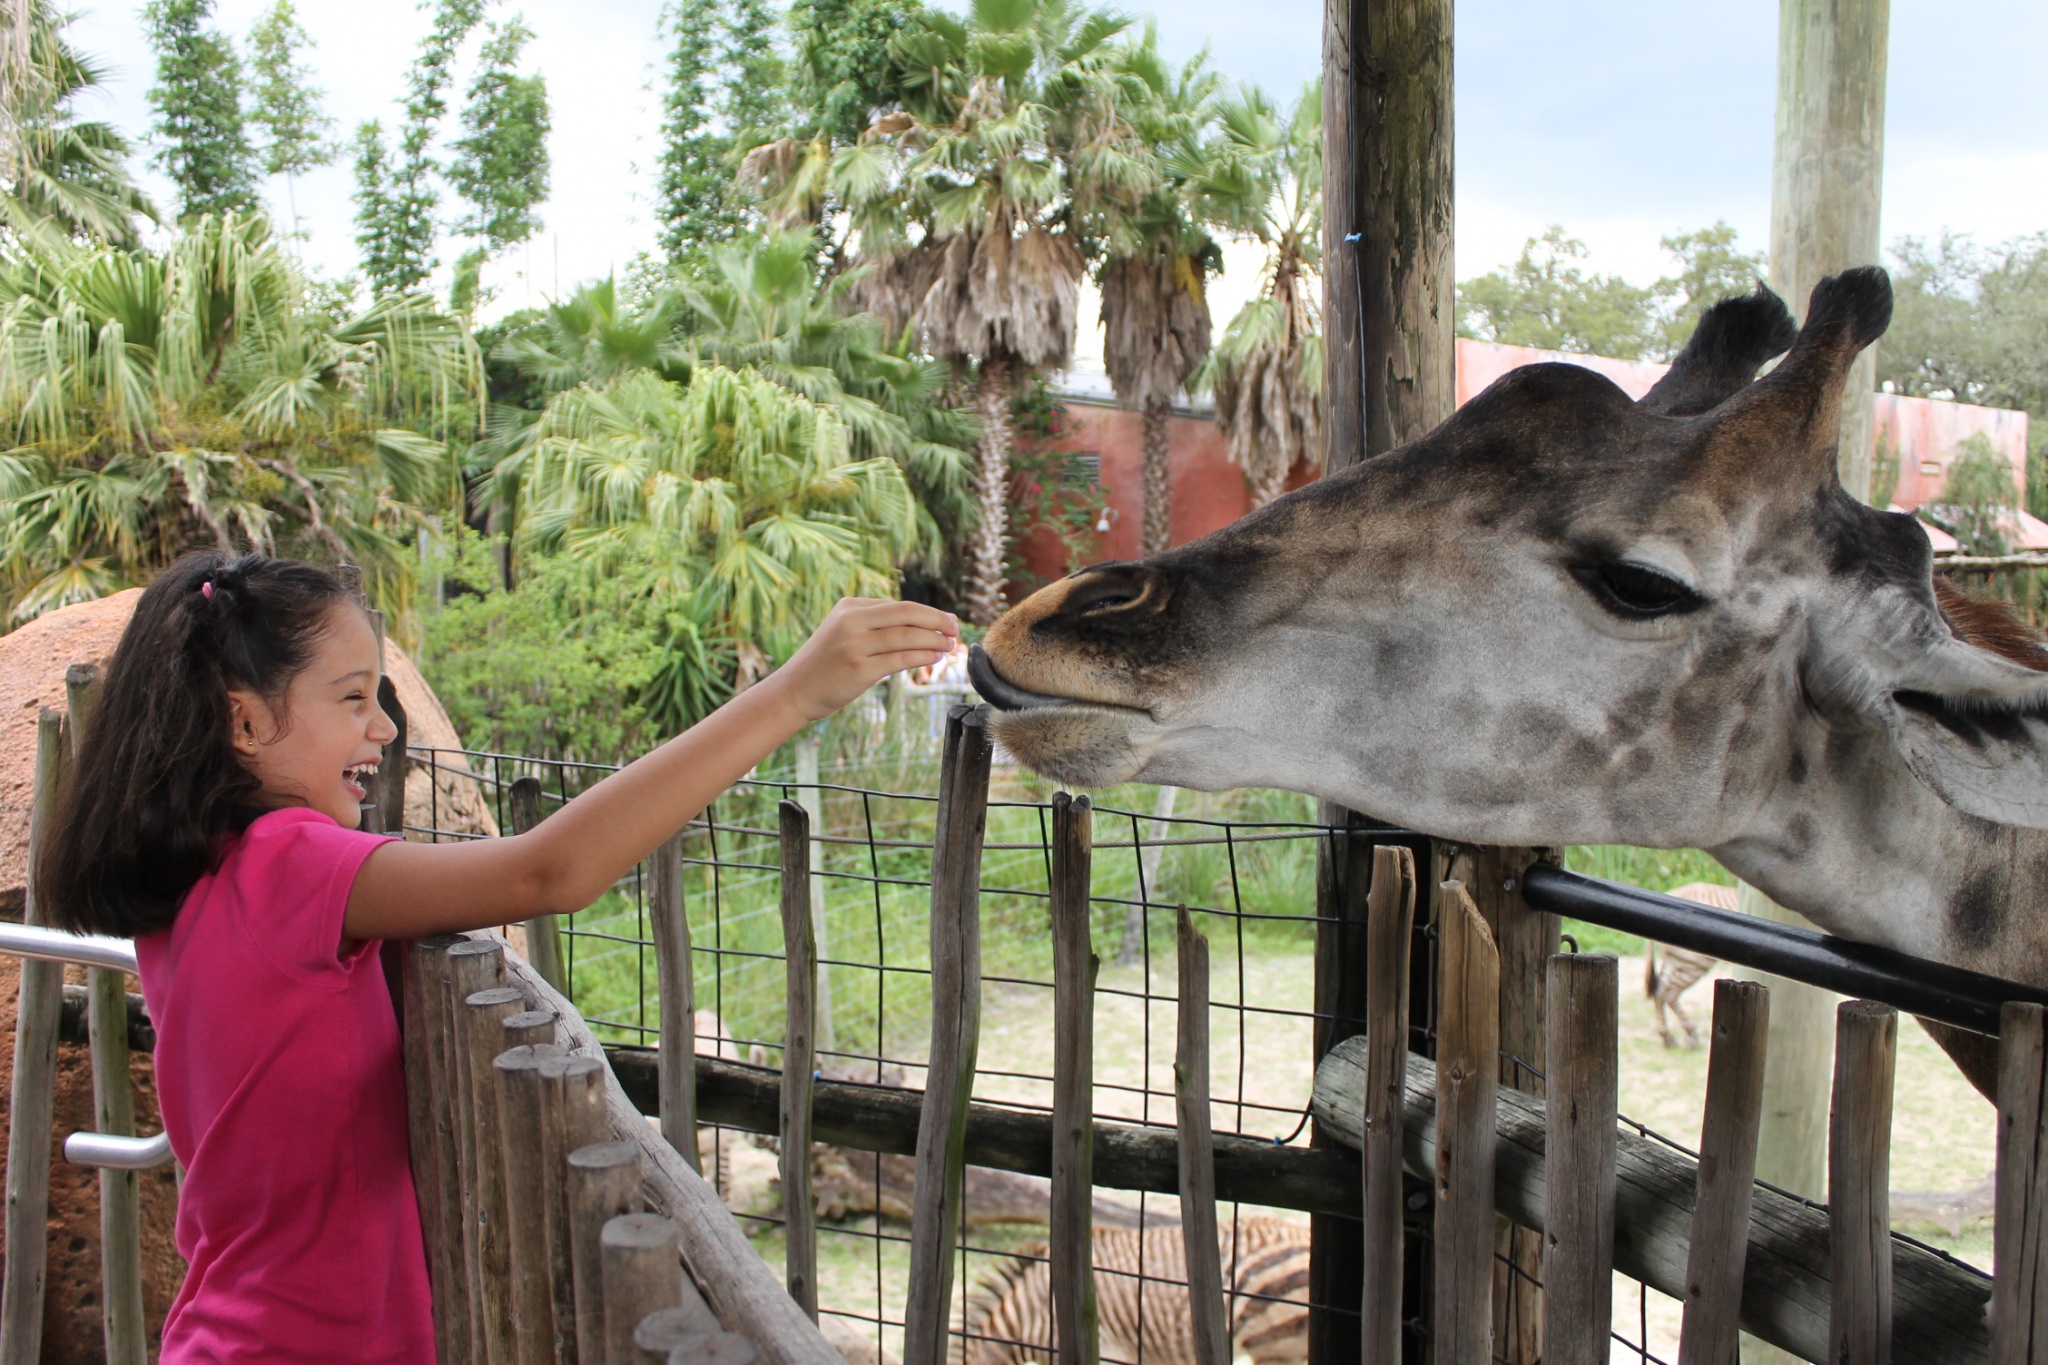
[206,590]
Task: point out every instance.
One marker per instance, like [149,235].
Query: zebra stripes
[1141,1298]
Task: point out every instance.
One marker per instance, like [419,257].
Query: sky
[1623,120]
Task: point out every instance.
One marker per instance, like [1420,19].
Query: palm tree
[745,496]
[59,172]
[1158,255]
[965,200]
[201,396]
[1266,373]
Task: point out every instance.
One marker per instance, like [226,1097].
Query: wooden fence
[558,1217]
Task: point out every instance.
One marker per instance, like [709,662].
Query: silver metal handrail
[90,950]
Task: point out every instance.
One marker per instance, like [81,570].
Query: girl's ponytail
[157,787]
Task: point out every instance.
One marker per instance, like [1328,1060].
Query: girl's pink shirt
[280,1076]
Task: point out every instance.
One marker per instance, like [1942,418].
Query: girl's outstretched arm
[406,890]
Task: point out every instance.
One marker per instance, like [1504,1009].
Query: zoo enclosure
[1321,1177]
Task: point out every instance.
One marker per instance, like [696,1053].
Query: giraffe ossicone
[1567,617]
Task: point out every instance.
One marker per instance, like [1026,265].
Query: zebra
[1008,1319]
[1682,968]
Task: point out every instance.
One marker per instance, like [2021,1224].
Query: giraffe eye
[1636,593]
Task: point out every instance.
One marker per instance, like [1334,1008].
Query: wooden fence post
[956,1026]
[2019,1288]
[530,1028]
[113,1108]
[1199,1237]
[1390,924]
[1578,1212]
[689,1336]
[643,1272]
[1728,1142]
[1859,1178]
[799,1060]
[33,1106]
[430,1121]
[482,1019]
[1468,1079]
[1336,1263]
[543,932]
[475,964]
[1073,1083]
[531,1306]
[603,1182]
[677,1055]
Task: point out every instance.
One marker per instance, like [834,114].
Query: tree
[964,206]
[1267,372]
[693,204]
[1156,257]
[1548,301]
[396,198]
[60,171]
[844,70]
[1710,268]
[1971,323]
[501,166]
[742,497]
[156,402]
[284,104]
[201,141]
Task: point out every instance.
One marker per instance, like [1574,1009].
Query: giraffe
[1565,617]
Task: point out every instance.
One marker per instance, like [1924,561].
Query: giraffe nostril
[1112,590]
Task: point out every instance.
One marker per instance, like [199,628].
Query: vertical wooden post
[475,964]
[33,1105]
[642,1267]
[1199,1239]
[1578,1204]
[1389,375]
[113,1109]
[543,932]
[1827,175]
[799,1060]
[1859,1180]
[556,1143]
[956,1028]
[811,796]
[1390,924]
[2019,1286]
[676,1059]
[530,1028]
[1336,1263]
[430,1121]
[1720,1222]
[1074,969]
[531,1306]
[603,1182]
[389,790]
[482,1020]
[1468,1079]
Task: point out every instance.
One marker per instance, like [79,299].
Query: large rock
[32,664]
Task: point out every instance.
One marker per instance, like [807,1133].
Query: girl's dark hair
[157,788]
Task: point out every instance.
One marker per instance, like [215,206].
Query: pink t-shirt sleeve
[306,863]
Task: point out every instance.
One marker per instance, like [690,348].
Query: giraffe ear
[1974,729]
[1733,340]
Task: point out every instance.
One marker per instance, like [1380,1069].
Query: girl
[212,817]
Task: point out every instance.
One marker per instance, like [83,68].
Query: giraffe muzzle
[998,691]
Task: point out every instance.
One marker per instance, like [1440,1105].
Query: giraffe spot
[1976,912]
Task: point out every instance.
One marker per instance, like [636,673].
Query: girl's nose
[382,728]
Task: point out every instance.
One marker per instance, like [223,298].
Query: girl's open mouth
[359,778]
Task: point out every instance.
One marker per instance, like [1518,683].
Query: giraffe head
[1560,617]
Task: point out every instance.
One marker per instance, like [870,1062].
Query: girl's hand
[862,641]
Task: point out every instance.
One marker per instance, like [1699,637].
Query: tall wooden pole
[1389,375]
[1827,183]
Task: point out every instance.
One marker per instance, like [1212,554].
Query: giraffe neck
[1868,853]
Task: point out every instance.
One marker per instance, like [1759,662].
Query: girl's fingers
[906,658]
[894,639]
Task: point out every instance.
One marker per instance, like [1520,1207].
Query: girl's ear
[244,710]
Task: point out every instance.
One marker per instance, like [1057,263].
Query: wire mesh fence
[1245,865]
